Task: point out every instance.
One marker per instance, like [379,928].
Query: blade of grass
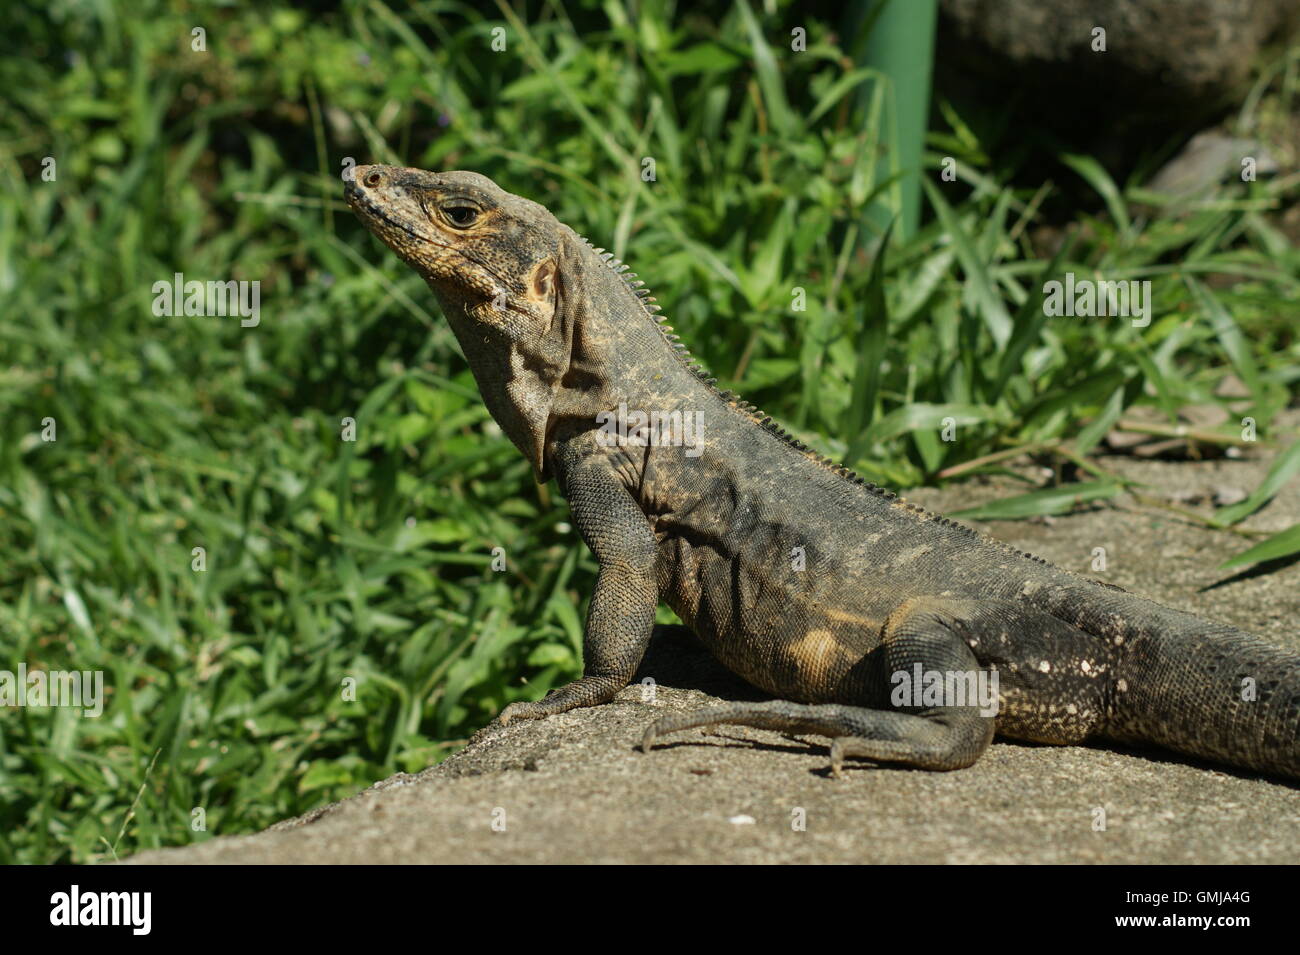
[873,324]
[1284,468]
[990,305]
[1282,544]
[1056,500]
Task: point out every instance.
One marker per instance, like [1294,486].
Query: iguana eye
[461,215]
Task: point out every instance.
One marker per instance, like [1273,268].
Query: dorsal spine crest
[642,296]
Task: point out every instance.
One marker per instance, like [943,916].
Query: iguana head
[491,253]
[494,260]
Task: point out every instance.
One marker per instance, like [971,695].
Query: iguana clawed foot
[588,691]
[522,710]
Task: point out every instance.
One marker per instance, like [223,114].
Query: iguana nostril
[373,178]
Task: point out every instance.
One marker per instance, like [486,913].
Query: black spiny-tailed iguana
[559,337]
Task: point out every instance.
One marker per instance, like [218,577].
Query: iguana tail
[1218,693]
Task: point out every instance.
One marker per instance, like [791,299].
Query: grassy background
[371,559]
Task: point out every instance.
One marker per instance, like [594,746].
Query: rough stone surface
[574,789]
[1167,62]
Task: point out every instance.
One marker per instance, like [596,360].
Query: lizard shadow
[720,740]
[798,746]
[1184,759]
[676,658]
[1155,755]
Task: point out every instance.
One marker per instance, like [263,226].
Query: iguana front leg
[622,612]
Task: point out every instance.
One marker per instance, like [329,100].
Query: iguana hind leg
[923,636]
[929,740]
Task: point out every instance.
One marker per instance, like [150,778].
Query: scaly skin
[801,578]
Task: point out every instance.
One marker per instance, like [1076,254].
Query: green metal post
[899,43]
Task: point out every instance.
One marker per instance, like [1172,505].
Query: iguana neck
[605,347]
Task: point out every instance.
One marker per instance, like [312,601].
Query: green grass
[371,560]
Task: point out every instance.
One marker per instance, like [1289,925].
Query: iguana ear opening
[542,287]
[543,290]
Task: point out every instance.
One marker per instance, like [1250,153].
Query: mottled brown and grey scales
[558,334]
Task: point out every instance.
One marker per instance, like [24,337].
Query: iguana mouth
[357,198]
